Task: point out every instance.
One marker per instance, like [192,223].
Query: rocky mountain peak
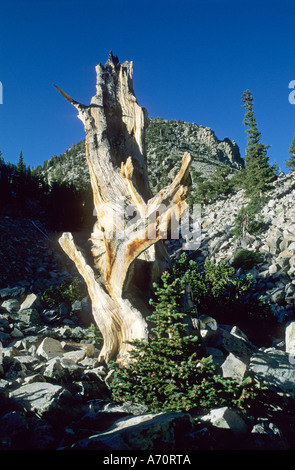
[166,141]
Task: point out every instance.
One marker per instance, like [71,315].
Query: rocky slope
[275,274]
[54,394]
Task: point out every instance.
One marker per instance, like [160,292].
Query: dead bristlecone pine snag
[126,253]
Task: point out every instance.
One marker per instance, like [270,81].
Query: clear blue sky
[192,61]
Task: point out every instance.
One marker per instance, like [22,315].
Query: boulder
[275,368]
[13,369]
[75,356]
[31,301]
[236,342]
[207,323]
[12,292]
[11,305]
[234,367]
[226,418]
[50,348]
[62,370]
[144,432]
[30,316]
[45,400]
[16,333]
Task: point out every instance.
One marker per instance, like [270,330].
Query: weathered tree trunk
[127,251]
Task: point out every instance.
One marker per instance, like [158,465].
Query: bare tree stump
[127,249]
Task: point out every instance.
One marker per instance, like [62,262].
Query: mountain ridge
[166,141]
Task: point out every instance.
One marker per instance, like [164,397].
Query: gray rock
[50,348]
[75,356]
[14,369]
[16,333]
[290,337]
[30,379]
[146,432]
[207,323]
[12,292]
[31,301]
[278,296]
[28,342]
[226,418]
[267,436]
[235,342]
[77,306]
[73,370]
[275,368]
[54,370]
[46,400]
[234,367]
[11,305]
[28,361]
[4,324]
[5,338]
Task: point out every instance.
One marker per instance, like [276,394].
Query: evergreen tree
[209,189]
[220,181]
[170,371]
[21,166]
[291,162]
[258,172]
[5,186]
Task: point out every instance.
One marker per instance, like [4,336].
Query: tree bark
[127,251]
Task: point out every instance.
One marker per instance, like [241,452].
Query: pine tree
[21,166]
[259,173]
[291,162]
[170,371]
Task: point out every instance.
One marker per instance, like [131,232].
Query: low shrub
[219,291]
[170,372]
[66,292]
[246,259]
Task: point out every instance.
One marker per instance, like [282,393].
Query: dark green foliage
[205,190]
[221,292]
[5,181]
[17,184]
[21,166]
[290,163]
[67,292]
[249,218]
[259,174]
[170,371]
[246,259]
[68,207]
[256,178]
[64,207]
[69,200]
